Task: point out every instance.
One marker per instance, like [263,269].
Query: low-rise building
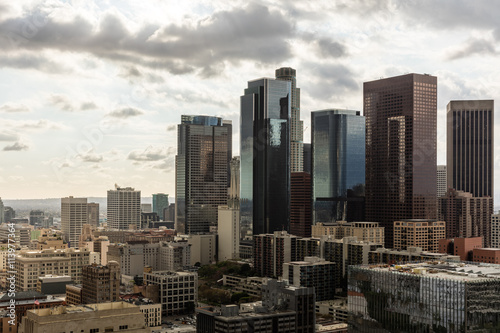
[335,308]
[93,318]
[363,231]
[101,284]
[52,284]
[419,233]
[250,285]
[73,294]
[386,256]
[487,255]
[178,291]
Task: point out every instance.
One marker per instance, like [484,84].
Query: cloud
[14,107]
[327,47]
[17,146]
[332,81]
[150,154]
[91,157]
[171,128]
[25,61]
[61,102]
[227,35]
[473,46]
[125,113]
[88,106]
[42,124]
[4,136]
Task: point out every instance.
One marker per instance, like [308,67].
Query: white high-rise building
[229,217]
[495,230]
[73,217]
[441,180]
[124,208]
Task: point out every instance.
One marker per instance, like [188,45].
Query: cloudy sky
[92,91]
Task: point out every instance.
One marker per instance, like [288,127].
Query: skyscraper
[93,213]
[338,165]
[265,156]
[401,114]
[441,180]
[2,212]
[160,203]
[124,208]
[204,149]
[296,125]
[300,204]
[470,146]
[73,217]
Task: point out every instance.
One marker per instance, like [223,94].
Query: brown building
[93,213]
[363,231]
[462,247]
[470,146]
[28,300]
[300,204]
[73,294]
[401,171]
[488,255]
[466,216]
[101,284]
[424,234]
[270,251]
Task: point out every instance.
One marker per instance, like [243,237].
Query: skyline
[93,92]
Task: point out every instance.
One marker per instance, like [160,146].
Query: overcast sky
[92,91]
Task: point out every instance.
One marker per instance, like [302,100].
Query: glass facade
[160,203]
[202,172]
[431,298]
[338,165]
[265,156]
[401,169]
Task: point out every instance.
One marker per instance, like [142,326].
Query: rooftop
[463,271]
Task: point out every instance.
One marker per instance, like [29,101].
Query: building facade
[204,151]
[401,116]
[466,216]
[296,125]
[469,154]
[424,297]
[124,208]
[74,215]
[178,291]
[101,284]
[270,251]
[93,213]
[300,204]
[265,156]
[338,165]
[495,230]
[363,231]
[424,234]
[441,180]
[160,205]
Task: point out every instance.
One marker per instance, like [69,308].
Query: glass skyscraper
[338,165]
[201,172]
[265,156]
[160,203]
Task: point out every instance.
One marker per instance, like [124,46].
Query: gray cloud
[91,157]
[61,102]
[332,80]
[125,113]
[17,146]
[37,124]
[229,35]
[329,48]
[171,128]
[8,136]
[13,107]
[473,46]
[149,154]
[88,106]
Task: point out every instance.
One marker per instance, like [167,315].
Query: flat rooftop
[463,271]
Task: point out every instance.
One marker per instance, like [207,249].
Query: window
[123,327]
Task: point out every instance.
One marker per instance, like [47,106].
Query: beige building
[101,284]
[421,233]
[178,291]
[93,318]
[30,264]
[73,294]
[363,231]
[152,314]
[73,217]
[22,233]
[203,247]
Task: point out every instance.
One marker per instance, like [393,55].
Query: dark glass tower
[265,156]
[201,172]
[338,165]
[401,171]
[470,147]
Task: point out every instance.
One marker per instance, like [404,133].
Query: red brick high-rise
[300,204]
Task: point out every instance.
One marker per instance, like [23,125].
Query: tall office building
[441,180]
[37,217]
[470,146]
[204,149]
[93,213]
[495,230]
[306,160]
[296,125]
[338,165]
[160,203]
[124,208]
[265,156]
[300,204]
[401,114]
[2,212]
[73,217]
